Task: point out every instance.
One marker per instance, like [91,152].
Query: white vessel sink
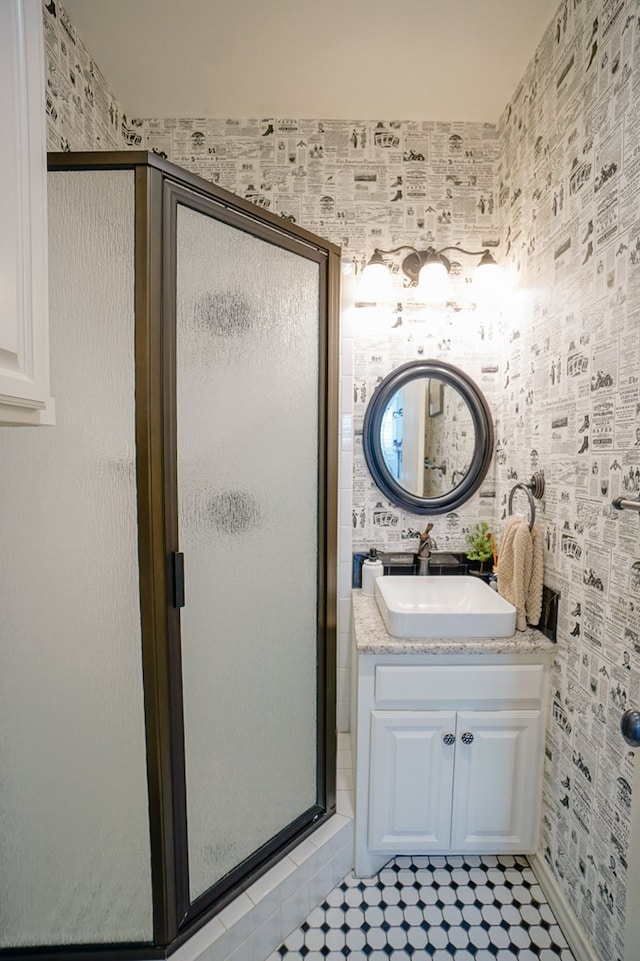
[443,606]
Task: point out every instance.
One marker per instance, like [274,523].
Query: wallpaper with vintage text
[569,209]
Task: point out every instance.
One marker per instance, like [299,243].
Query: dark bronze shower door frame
[176,195]
[159,188]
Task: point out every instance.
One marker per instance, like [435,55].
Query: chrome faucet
[427,544]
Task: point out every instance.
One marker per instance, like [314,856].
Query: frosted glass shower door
[247,464]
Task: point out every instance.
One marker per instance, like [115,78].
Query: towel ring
[535,488]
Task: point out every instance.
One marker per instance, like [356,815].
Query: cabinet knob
[449,738]
[467,737]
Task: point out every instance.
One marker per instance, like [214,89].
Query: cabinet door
[497,781]
[24,358]
[411,781]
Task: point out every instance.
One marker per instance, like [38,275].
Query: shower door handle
[177,564]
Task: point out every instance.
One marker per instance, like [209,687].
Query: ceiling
[331,59]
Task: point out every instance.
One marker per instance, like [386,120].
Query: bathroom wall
[82,113]
[569,183]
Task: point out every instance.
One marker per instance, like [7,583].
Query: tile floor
[433,909]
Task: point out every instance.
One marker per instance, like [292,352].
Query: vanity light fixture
[428,270]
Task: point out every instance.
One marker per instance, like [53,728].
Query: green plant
[480,545]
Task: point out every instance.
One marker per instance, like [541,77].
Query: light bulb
[375,283]
[433,282]
[487,281]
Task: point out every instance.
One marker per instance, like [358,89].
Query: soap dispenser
[371,569]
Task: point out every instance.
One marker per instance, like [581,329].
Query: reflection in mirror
[428,436]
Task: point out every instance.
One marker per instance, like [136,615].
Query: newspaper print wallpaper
[82,113]
[556,186]
[568,200]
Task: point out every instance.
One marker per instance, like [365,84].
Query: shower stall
[168,677]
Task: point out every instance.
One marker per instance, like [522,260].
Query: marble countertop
[372,637]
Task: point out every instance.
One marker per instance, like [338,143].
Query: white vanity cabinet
[449,747]
[24,348]
[465,781]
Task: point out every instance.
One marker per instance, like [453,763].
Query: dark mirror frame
[482,422]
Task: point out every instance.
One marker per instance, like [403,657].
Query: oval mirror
[428,437]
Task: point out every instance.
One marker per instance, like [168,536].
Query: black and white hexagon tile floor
[433,909]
